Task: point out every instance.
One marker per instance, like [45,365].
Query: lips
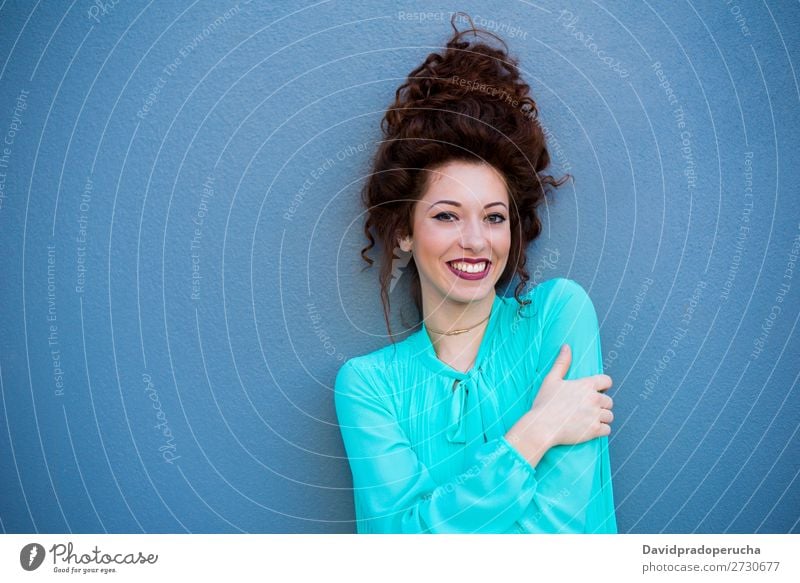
[468,275]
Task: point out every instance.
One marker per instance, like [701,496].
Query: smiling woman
[492,417]
[460,245]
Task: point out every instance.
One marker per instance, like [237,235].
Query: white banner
[402,558]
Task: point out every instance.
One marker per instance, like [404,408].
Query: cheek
[433,242]
[502,243]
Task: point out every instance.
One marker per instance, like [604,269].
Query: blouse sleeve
[571,319]
[395,493]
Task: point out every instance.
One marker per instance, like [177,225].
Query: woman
[492,417]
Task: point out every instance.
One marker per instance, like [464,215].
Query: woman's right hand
[564,412]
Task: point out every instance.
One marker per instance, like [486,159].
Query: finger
[605,429]
[606,416]
[563,360]
[602,382]
[607,402]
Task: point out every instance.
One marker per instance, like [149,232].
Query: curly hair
[467,104]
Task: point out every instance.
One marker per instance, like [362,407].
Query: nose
[474,236]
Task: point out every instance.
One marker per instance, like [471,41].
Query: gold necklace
[462,330]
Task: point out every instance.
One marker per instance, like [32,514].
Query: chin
[469,296]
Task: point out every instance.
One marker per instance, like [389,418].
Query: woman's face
[463,215]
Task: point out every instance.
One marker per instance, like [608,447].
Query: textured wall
[180,231]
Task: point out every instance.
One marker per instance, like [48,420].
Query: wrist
[530,438]
[537,422]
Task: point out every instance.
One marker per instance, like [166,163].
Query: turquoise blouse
[426,444]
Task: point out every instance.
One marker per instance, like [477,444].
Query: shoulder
[562,300]
[352,376]
[372,373]
[557,293]
[560,286]
[352,390]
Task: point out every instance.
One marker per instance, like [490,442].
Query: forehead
[466,183]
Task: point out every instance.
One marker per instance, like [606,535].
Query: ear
[405,244]
[403,241]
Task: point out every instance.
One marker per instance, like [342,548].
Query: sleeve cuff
[516,453]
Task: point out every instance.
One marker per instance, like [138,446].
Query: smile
[470,270]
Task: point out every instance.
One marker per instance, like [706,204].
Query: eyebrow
[454,203]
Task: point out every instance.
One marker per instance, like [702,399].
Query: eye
[437,217]
[499,218]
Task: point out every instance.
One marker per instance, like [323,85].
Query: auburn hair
[468,103]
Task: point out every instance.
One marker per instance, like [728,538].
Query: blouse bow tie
[473,411]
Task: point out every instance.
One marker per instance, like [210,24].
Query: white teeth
[469,267]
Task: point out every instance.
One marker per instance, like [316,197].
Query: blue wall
[181,233]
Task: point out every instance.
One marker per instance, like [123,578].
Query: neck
[448,316]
